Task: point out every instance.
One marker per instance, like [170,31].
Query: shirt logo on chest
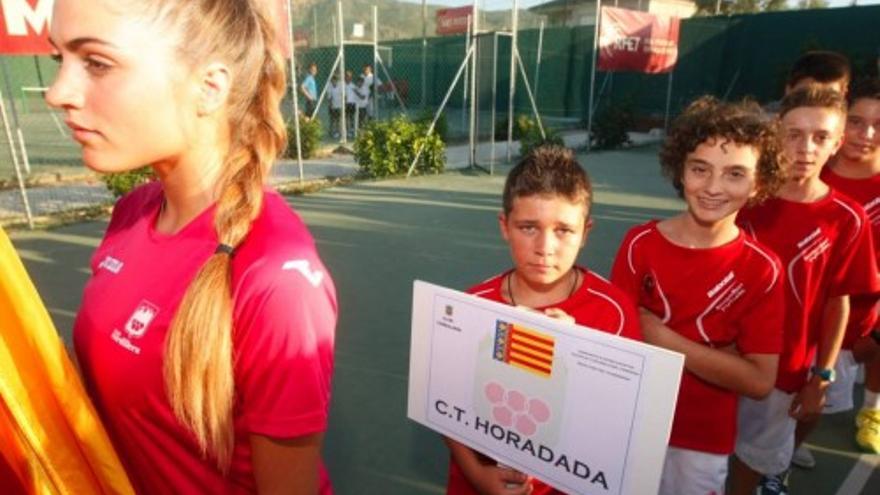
[111,264]
[140,320]
[136,326]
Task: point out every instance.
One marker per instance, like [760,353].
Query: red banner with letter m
[637,41]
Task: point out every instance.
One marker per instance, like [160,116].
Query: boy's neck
[687,231]
[806,190]
[520,292]
[852,169]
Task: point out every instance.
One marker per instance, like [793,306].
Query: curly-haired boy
[707,290]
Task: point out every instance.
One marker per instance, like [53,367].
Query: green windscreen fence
[727,56]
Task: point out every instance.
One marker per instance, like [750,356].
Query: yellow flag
[52,440]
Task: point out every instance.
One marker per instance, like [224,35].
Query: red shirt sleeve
[284,339]
[855,269]
[632,326]
[624,271]
[761,327]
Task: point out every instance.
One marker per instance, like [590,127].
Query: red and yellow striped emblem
[524,348]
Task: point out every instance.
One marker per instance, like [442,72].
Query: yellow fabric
[52,440]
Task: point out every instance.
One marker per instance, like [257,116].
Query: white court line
[859,475]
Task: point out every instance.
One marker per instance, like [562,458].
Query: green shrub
[441,128]
[521,125]
[385,148]
[531,135]
[309,136]
[122,183]
[610,126]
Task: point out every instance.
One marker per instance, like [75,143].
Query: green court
[376,238]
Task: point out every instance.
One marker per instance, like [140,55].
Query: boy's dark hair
[312,64]
[743,123]
[821,65]
[864,88]
[815,97]
[548,170]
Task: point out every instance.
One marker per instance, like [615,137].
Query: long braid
[199,362]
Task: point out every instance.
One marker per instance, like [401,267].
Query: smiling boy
[705,289]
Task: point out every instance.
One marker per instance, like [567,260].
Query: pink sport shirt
[284,322]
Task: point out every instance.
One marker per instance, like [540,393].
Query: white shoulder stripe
[484,291]
[613,303]
[629,250]
[855,216]
[769,260]
[314,277]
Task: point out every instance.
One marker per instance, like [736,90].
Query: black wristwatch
[824,374]
[875,334]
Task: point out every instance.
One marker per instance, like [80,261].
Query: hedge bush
[531,135]
[385,148]
[521,125]
[309,134]
[611,125]
[122,183]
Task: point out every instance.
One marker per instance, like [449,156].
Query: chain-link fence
[41,173]
[412,53]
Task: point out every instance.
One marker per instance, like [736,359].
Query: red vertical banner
[24,27]
[637,41]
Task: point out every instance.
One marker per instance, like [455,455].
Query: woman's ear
[214,83]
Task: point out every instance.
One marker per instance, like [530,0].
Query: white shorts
[839,395]
[689,472]
[765,439]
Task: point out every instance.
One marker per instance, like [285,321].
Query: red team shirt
[596,304]
[863,308]
[284,318]
[826,251]
[727,295]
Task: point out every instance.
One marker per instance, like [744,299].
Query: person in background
[309,90]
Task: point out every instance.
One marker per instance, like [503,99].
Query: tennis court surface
[376,238]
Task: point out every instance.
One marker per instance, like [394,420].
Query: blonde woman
[206,331]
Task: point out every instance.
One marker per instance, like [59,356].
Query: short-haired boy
[545,221]
[855,171]
[705,289]
[820,68]
[823,240]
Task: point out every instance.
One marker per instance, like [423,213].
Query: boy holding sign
[545,220]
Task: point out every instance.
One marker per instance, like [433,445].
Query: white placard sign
[585,411]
